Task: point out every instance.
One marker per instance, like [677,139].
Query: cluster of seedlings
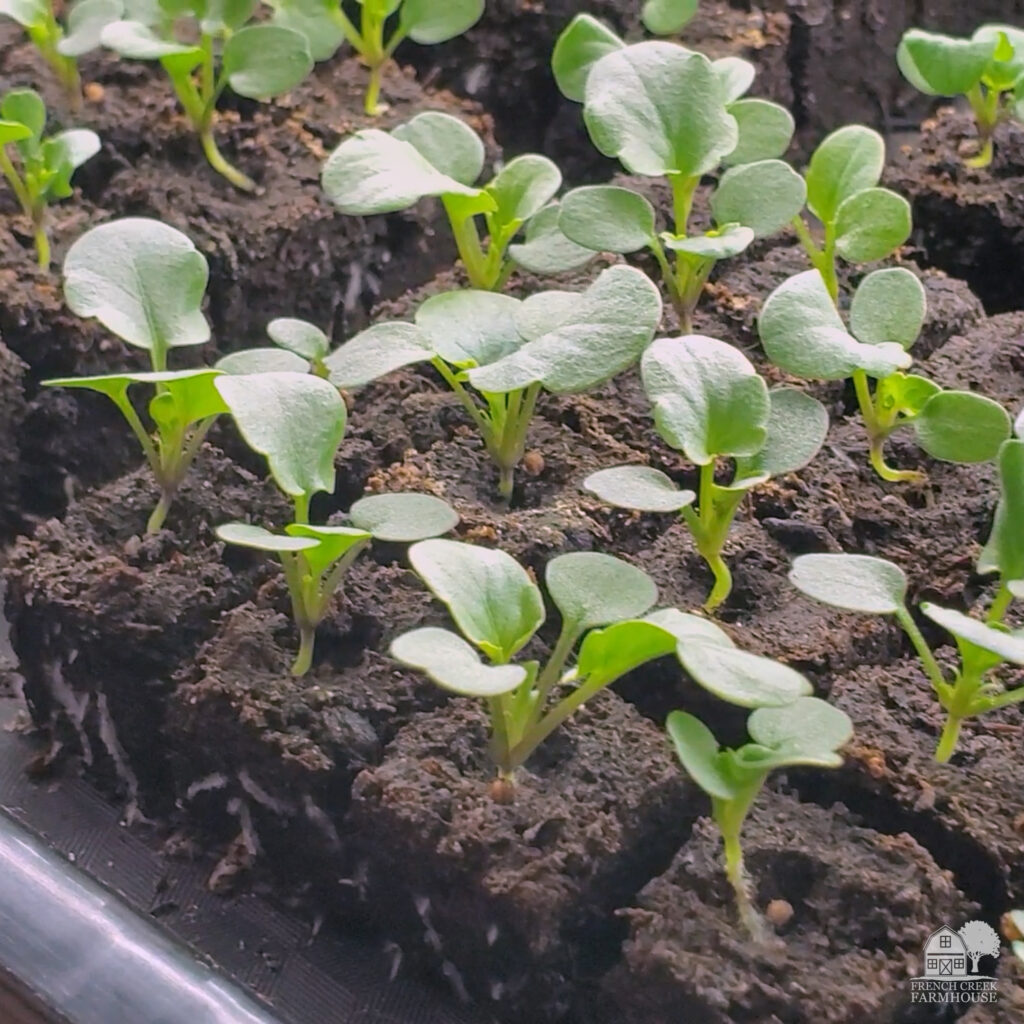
[667,114]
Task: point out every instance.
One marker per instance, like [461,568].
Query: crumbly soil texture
[160,665]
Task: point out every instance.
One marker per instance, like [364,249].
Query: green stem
[479,418]
[924,652]
[304,659]
[350,32]
[985,106]
[878,432]
[372,105]
[730,815]
[949,739]
[216,160]
[19,188]
[723,582]
[158,516]
[822,258]
[710,526]
[42,243]
[1000,603]
[467,240]
[501,749]
[302,509]
[552,671]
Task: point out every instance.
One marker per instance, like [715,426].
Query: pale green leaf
[523,187]
[960,426]
[720,244]
[608,654]
[638,487]
[847,162]
[699,754]
[871,224]
[451,663]
[313,20]
[470,328]
[1007,646]
[739,677]
[446,143]
[858,583]
[583,42]
[332,544]
[807,732]
[26,13]
[735,76]
[376,352]
[299,336]
[889,306]
[403,518]
[607,218]
[796,430]
[266,60]
[1004,550]
[25,106]
[428,22]
[248,536]
[666,17]
[546,249]
[763,196]
[262,360]
[137,41]
[766,130]
[940,65]
[591,589]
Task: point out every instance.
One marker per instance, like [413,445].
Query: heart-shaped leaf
[332,544]
[858,583]
[523,187]
[807,732]
[739,677]
[428,22]
[1006,645]
[25,106]
[470,328]
[847,162]
[489,594]
[546,249]
[607,218]
[610,325]
[299,336]
[296,420]
[1004,551]
[638,487]
[262,360]
[708,399]
[940,65]
[721,244]
[871,224]
[735,77]
[266,60]
[542,312]
[403,518]
[137,41]
[608,654]
[960,426]
[376,352]
[85,23]
[796,429]
[453,664]
[666,17]
[248,536]
[313,20]
[1006,47]
[802,333]
[446,143]
[592,589]
[583,42]
[766,130]
[658,108]
[889,306]
[905,393]
[699,754]
[763,196]
[374,172]
[142,279]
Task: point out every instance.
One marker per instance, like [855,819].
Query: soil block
[512,902]
[854,909]
[12,413]
[102,615]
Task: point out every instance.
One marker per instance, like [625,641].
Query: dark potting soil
[511,900]
[102,615]
[12,413]
[862,907]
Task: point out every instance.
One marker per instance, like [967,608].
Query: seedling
[298,421]
[144,281]
[987,69]
[603,603]
[861,222]
[666,17]
[807,732]
[803,333]
[438,155]
[710,404]
[299,347]
[498,353]
[45,164]
[666,112]
[876,587]
[256,60]
[326,25]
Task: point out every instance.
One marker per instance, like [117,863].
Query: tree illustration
[981,940]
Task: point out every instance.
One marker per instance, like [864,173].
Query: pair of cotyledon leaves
[565,341]
[709,402]
[47,162]
[438,155]
[803,334]
[498,608]
[941,65]
[874,586]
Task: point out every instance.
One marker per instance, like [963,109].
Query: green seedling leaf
[523,187]
[332,544]
[376,352]
[638,487]
[959,426]
[685,626]
[847,162]
[939,65]
[708,399]
[63,154]
[699,754]
[591,589]
[546,249]
[403,518]
[807,732]
[1006,645]
[904,393]
[313,20]
[26,107]
[296,420]
[765,128]
[13,131]
[184,398]
[247,536]
[262,360]
[871,224]
[454,665]
[1004,551]
[609,654]
[374,172]
[858,583]
[715,245]
[489,594]
[763,196]
[448,145]
[802,333]
[666,17]
[735,76]
[658,109]
[226,16]
[85,23]
[543,311]
[739,677]
[137,41]
[609,326]
[26,13]
[796,429]
[142,280]
[607,218]
[1006,46]
[427,22]
[266,60]
[580,46]
[470,328]
[300,337]
[889,306]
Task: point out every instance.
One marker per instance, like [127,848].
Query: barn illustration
[945,955]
